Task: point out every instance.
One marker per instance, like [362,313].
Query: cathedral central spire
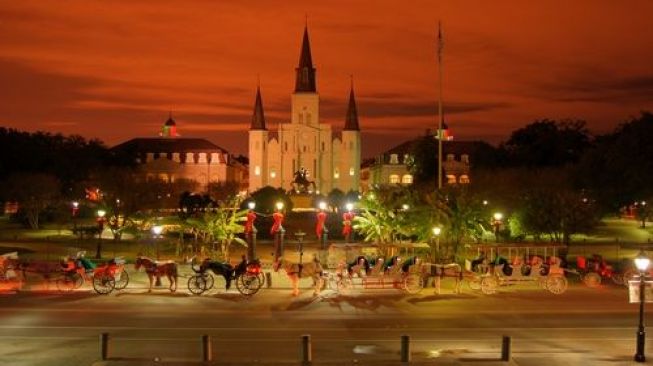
[351,120]
[305,80]
[258,118]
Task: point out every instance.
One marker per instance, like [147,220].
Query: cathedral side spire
[305,80]
[258,118]
[351,120]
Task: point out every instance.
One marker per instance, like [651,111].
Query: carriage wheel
[556,284]
[474,283]
[197,284]
[248,284]
[592,279]
[122,280]
[628,276]
[104,284]
[344,284]
[209,281]
[543,282]
[617,279]
[412,284]
[66,283]
[489,285]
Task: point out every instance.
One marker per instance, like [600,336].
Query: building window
[394,159]
[300,117]
[273,174]
[336,173]
[450,157]
[464,179]
[351,145]
[257,170]
[322,145]
[308,118]
[285,145]
[464,158]
[352,171]
[257,145]
[407,179]
[394,179]
[451,179]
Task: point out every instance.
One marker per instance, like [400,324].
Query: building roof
[448,147]
[168,145]
[258,118]
[305,79]
[351,120]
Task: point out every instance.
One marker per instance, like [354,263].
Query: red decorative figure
[347,218]
[277,216]
[319,227]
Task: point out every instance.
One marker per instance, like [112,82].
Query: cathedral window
[464,158]
[351,145]
[304,148]
[273,174]
[285,145]
[394,179]
[257,145]
[394,159]
[308,118]
[300,117]
[336,173]
[352,171]
[257,170]
[322,145]
[407,179]
[464,179]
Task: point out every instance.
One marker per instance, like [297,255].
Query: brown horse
[158,269]
[295,271]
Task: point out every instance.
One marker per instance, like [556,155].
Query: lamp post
[436,233]
[74,211]
[299,235]
[641,262]
[250,231]
[278,231]
[496,222]
[347,219]
[100,225]
[156,234]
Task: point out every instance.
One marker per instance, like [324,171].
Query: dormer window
[450,157]
[464,158]
[394,159]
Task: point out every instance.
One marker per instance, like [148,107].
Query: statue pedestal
[302,201]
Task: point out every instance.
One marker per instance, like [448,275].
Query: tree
[222,225]
[267,197]
[336,198]
[547,143]
[618,170]
[34,192]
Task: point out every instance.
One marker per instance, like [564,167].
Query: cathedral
[304,146]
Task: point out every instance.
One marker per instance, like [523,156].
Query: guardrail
[305,349]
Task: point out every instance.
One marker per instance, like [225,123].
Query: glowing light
[437,230]
[251,205]
[322,205]
[498,216]
[157,230]
[279,205]
[642,261]
[484,202]
[75,204]
[405,207]
[101,213]
[349,206]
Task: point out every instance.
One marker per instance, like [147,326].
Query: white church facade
[331,159]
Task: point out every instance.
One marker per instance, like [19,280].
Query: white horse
[295,271]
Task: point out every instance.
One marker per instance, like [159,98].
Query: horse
[452,270]
[360,266]
[225,270]
[158,269]
[295,271]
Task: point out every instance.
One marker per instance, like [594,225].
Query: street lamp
[405,207]
[100,225]
[322,205]
[279,205]
[349,206]
[641,262]
[436,232]
[157,230]
[250,231]
[251,205]
[496,222]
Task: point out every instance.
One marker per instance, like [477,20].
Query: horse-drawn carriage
[356,266]
[9,279]
[105,278]
[513,265]
[248,276]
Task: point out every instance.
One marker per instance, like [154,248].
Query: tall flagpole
[440,116]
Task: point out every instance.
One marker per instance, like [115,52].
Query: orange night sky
[113,69]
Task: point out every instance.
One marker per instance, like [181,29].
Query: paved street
[39,327]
